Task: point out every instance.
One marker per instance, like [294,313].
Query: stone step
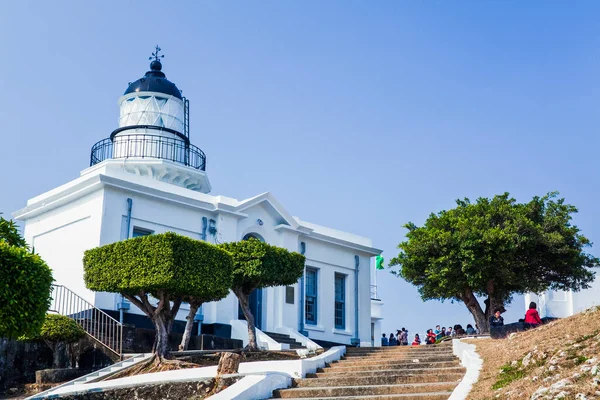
[347,391]
[369,372]
[285,339]
[403,355]
[388,379]
[392,361]
[337,367]
[400,348]
[403,396]
[397,349]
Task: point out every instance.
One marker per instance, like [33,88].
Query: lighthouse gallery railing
[148,146]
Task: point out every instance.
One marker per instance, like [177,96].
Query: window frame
[311,297]
[339,301]
[140,232]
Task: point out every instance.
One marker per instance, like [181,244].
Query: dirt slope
[560,360]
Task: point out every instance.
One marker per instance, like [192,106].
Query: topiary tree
[57,331]
[168,267]
[216,291]
[25,285]
[259,265]
[493,249]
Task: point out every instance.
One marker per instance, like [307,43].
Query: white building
[562,304]
[148,178]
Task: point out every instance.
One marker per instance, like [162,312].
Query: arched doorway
[255,299]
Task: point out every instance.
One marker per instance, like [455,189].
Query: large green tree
[25,285]
[493,249]
[169,267]
[259,265]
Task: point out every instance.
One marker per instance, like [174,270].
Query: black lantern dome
[154,81]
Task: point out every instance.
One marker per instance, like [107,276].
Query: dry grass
[560,360]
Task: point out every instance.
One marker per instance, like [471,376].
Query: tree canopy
[495,248]
[259,265]
[25,285]
[169,267]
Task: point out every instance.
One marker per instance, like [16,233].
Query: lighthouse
[153,132]
[146,177]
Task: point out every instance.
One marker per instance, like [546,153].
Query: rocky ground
[560,360]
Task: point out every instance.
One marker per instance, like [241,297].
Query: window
[140,232]
[340,301]
[311,296]
[289,294]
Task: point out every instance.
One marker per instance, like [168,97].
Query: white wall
[587,298]
[61,236]
[330,259]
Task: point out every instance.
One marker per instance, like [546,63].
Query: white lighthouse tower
[154,125]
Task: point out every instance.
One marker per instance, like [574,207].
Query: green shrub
[166,262]
[58,328]
[25,285]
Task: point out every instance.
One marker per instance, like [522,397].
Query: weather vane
[155,54]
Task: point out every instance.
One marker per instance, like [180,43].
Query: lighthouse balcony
[145,146]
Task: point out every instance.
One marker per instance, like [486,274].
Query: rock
[585,368]
[561,395]
[535,378]
[228,363]
[595,370]
[560,384]
[514,363]
[596,381]
[527,360]
[540,393]
[552,368]
[580,396]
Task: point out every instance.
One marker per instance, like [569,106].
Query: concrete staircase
[95,376]
[282,338]
[399,372]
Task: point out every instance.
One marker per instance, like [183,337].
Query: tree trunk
[228,364]
[187,333]
[58,354]
[162,316]
[244,304]
[481,321]
[161,339]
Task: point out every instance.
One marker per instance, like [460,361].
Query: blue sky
[357,115]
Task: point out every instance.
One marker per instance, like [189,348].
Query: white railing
[95,322]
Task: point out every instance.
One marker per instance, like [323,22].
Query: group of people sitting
[401,338]
[432,336]
[532,317]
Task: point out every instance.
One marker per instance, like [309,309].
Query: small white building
[148,178]
[562,304]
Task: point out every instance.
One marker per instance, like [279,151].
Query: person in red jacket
[532,317]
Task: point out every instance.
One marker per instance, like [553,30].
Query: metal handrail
[95,322]
[148,146]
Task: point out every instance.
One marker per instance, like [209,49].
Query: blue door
[255,301]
